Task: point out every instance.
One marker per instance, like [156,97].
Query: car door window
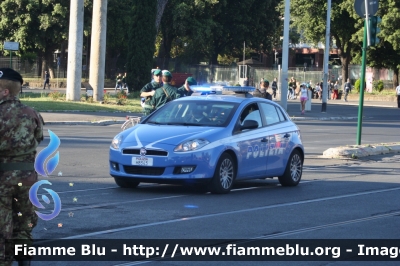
[270,113]
[251,112]
[282,118]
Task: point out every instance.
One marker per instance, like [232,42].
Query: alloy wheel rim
[226,173]
[295,167]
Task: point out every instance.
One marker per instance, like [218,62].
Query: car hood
[149,135]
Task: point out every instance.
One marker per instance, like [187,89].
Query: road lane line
[293,232]
[231,212]
[118,203]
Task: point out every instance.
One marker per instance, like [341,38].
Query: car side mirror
[249,124]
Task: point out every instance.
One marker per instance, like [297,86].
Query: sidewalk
[336,110]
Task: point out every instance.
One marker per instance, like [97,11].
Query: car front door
[252,144]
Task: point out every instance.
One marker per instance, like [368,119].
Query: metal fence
[26,68]
[229,74]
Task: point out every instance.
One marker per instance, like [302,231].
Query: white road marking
[205,216]
[118,203]
[293,232]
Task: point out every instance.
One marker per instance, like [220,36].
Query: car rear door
[279,135]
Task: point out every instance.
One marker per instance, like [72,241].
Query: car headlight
[117,140]
[191,145]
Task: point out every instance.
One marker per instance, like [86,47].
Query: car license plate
[145,161]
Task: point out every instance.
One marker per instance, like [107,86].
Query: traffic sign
[359,6]
[11,46]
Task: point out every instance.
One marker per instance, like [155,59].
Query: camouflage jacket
[21,131]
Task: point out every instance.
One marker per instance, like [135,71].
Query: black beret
[10,74]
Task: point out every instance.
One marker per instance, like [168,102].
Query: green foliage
[122,98]
[142,34]
[106,97]
[39,26]
[377,85]
[56,95]
[309,17]
[211,28]
[357,86]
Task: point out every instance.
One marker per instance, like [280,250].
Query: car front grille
[141,170]
[148,152]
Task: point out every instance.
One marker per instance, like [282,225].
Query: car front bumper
[172,168]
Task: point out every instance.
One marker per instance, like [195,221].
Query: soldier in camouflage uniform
[164,94]
[21,130]
[148,90]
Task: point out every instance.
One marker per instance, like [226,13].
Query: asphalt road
[335,199]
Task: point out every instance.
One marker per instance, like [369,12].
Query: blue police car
[210,139]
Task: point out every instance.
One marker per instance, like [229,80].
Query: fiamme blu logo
[44,168]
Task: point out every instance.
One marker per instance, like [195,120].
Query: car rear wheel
[293,171]
[125,182]
[224,175]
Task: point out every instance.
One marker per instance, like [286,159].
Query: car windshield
[194,113]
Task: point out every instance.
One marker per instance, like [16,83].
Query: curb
[299,118]
[95,123]
[357,151]
[114,122]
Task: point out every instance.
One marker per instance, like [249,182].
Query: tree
[160,10]
[309,16]
[118,21]
[387,53]
[208,28]
[39,26]
[141,32]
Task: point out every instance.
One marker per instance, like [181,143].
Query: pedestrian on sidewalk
[347,89]
[274,87]
[262,92]
[46,80]
[125,85]
[398,96]
[303,97]
[318,91]
[21,131]
[118,82]
[335,91]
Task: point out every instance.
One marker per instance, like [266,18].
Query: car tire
[125,182]
[224,176]
[294,169]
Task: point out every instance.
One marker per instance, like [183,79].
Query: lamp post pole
[285,56]
[325,89]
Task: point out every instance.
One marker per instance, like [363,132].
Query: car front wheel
[293,171]
[224,175]
[125,182]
